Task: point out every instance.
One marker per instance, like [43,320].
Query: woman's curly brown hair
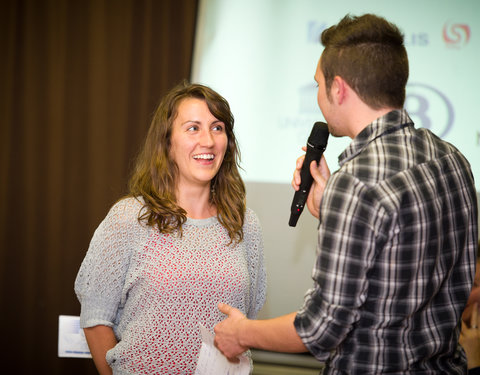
[155,173]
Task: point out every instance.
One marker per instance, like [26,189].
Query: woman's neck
[196,201]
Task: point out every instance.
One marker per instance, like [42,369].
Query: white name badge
[71,339]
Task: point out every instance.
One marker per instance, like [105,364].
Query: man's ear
[339,89]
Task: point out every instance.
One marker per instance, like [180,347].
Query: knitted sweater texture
[155,289]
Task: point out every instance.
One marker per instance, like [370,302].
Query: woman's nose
[206,138]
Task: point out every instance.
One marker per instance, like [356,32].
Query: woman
[178,244]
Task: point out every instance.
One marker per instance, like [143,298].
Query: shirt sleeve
[347,238]
[100,280]
[253,238]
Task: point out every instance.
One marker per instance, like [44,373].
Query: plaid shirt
[397,242]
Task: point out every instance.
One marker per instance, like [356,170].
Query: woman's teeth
[204,156]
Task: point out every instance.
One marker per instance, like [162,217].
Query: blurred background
[79,81]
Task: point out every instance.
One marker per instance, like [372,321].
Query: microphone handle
[301,195]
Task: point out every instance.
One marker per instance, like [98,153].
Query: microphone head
[319,135]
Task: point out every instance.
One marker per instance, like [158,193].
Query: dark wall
[79,81]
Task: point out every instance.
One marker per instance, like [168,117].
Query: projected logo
[429,108]
[315,30]
[456,34]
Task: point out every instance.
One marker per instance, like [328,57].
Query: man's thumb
[224,308]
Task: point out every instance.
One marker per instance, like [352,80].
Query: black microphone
[316,144]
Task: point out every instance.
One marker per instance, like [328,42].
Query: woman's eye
[218,128]
[192,128]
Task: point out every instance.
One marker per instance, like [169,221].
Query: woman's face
[198,143]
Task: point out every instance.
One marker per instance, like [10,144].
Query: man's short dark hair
[369,54]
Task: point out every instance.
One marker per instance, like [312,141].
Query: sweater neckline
[201,222]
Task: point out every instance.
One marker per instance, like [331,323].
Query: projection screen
[261,56]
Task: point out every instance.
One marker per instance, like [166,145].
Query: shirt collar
[388,123]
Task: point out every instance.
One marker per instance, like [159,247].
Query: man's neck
[364,116]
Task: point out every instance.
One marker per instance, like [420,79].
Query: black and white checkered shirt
[397,242]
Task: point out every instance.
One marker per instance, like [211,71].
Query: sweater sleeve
[256,263]
[100,281]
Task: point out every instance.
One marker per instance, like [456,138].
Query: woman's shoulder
[251,223]
[251,216]
[128,203]
[126,210]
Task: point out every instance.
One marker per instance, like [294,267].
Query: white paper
[212,361]
[71,339]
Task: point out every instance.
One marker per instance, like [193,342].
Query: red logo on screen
[456,34]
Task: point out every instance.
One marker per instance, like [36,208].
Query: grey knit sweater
[155,289]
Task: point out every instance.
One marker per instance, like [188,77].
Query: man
[397,231]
